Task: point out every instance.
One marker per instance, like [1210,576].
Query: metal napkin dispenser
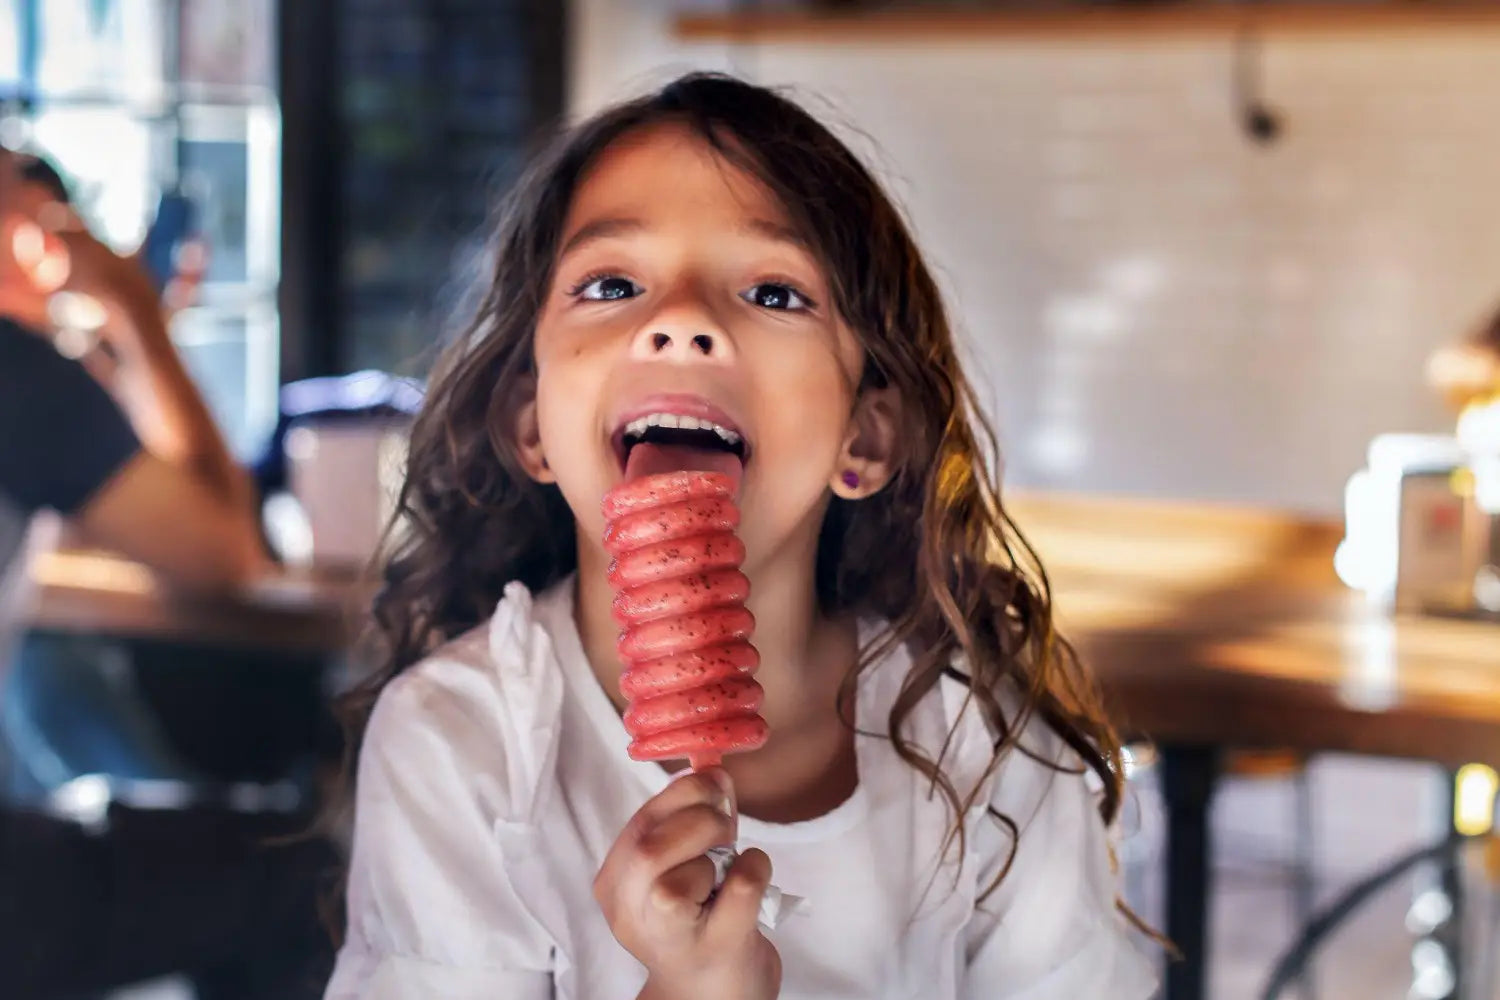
[1416,539]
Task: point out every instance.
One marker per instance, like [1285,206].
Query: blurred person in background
[139,468]
[69,705]
[79,705]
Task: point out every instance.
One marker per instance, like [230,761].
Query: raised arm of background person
[65,446]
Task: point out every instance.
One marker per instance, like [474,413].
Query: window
[131,98]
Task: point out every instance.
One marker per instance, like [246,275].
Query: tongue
[648,459]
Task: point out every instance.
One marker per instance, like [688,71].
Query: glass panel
[230,166]
[227,44]
[105,155]
[232,356]
[215,177]
[212,345]
[263,242]
[100,48]
[10,47]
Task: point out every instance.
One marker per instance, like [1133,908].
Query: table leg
[1188,777]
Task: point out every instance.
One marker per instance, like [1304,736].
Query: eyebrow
[777,231]
[599,229]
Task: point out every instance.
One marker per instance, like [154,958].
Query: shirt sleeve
[1051,930]
[61,435]
[431,911]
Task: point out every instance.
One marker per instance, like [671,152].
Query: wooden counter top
[100,593]
[1229,627]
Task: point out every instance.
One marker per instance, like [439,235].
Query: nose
[678,345]
[684,334]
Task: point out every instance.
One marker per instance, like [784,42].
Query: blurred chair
[89,722]
[1433,976]
[1456,918]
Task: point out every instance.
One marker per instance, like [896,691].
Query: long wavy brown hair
[934,553]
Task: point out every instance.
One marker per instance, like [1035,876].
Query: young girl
[930,786]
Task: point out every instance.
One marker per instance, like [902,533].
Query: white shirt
[493,780]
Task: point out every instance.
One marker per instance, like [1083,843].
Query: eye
[776,295]
[606,288]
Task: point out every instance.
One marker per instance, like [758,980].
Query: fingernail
[726,788]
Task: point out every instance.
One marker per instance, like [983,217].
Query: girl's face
[681,289]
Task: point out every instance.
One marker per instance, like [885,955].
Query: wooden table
[1229,627]
[103,594]
[1216,628]
[1207,625]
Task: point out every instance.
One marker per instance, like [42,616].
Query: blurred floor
[1366,812]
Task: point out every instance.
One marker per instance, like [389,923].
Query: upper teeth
[637,427]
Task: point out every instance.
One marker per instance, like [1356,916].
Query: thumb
[736,906]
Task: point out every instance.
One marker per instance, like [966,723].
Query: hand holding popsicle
[657,889]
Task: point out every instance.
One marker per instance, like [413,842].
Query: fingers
[41,255]
[680,823]
[57,217]
[190,268]
[708,787]
[635,862]
[191,259]
[685,834]
[736,908]
[680,893]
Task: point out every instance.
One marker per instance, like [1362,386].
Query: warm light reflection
[1474,791]
[1094,608]
[91,571]
[1185,562]
[1371,665]
[1371,681]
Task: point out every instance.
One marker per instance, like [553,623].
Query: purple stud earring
[851,478]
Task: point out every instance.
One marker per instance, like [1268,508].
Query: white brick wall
[1156,305]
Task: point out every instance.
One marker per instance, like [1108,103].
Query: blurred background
[1227,274]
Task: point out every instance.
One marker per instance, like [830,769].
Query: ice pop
[680,601]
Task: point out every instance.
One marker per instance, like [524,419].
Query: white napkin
[775,905]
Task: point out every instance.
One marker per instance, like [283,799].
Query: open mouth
[664,441]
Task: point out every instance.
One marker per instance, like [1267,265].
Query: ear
[526,432]
[868,459]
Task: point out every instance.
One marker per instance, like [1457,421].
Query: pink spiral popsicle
[680,600]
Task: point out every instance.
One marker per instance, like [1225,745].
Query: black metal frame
[1189,777]
[311,217]
[1290,967]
